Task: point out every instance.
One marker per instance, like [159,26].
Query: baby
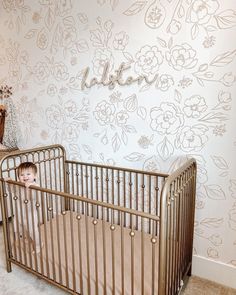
[24,225]
[27,173]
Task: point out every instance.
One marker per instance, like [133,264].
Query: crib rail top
[36,155]
[47,155]
[46,149]
[18,153]
[119,168]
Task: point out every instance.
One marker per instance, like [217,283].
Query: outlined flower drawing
[66,120]
[194,106]
[164,82]
[148,60]
[115,116]
[104,113]
[174,27]
[120,41]
[166,119]
[101,58]
[182,57]
[41,71]
[209,41]
[54,115]
[228,79]
[192,138]
[200,11]
[144,141]
[122,117]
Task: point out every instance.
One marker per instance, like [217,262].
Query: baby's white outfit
[26,219]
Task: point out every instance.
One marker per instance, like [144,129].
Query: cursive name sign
[111,80]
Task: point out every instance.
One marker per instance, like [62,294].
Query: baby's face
[27,176]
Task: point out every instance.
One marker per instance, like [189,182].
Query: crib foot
[189,273]
[9,269]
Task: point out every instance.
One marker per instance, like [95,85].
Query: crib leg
[189,273]
[9,268]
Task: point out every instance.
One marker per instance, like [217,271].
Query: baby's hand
[28,184]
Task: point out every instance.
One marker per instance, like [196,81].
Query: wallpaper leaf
[211,28]
[129,129]
[162,42]
[203,68]
[165,149]
[178,96]
[215,192]
[134,157]
[87,150]
[116,142]
[194,31]
[223,59]
[131,103]
[114,3]
[129,57]
[214,118]
[135,8]
[50,18]
[212,222]
[232,187]
[220,162]
[124,137]
[142,113]
[145,87]
[181,11]
[226,19]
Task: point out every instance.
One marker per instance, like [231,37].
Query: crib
[102,229]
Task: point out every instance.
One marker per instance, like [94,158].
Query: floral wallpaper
[186,47]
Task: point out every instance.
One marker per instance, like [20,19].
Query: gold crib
[102,229]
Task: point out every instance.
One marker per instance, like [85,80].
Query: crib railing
[129,188]
[60,263]
[176,228]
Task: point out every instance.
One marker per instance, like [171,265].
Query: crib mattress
[65,237]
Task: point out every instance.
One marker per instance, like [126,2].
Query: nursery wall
[184,105]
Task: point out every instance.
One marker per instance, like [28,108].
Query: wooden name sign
[112,80]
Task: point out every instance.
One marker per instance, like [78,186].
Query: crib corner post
[163,241]
[6,241]
[9,268]
[5,226]
[189,273]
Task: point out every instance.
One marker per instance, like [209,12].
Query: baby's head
[27,172]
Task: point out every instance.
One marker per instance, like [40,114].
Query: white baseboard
[218,272]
